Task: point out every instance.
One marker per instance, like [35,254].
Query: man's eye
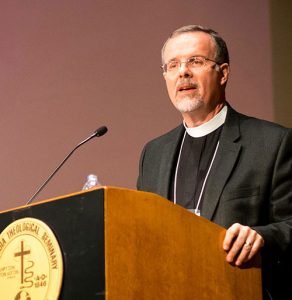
[195,61]
[172,65]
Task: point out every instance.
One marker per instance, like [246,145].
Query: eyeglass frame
[187,62]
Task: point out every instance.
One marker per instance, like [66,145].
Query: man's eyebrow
[194,55]
[172,59]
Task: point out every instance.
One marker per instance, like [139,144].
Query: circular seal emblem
[31,264]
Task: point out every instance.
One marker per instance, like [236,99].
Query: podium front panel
[78,224]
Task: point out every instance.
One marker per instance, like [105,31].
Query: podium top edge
[65,196]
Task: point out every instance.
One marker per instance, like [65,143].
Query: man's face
[194,91]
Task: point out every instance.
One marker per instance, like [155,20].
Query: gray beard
[186,104]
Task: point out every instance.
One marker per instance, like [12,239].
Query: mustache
[187,83]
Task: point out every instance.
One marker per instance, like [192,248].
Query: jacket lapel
[168,162]
[224,162]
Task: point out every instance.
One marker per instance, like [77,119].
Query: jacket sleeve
[140,176]
[278,233]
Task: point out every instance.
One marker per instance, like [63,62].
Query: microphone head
[100,131]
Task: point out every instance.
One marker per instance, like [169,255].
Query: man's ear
[164,75]
[224,70]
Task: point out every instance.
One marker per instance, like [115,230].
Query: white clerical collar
[209,126]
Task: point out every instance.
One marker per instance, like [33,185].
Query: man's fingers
[257,245]
[247,251]
[241,243]
[230,235]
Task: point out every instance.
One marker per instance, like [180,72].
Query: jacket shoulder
[167,137]
[258,126]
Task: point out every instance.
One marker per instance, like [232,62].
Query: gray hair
[222,55]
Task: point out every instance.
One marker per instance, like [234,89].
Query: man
[227,167]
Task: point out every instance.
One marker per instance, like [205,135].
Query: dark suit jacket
[250,182]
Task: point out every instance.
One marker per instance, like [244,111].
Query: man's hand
[241,244]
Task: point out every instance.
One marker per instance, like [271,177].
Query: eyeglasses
[194,62]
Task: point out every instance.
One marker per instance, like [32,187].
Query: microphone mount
[97,133]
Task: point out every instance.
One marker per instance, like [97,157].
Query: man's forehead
[181,43]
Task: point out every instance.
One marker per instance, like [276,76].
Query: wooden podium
[124,244]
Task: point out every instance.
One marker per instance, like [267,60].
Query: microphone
[97,133]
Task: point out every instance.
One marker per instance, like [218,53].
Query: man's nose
[184,70]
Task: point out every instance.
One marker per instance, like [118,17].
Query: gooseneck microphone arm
[99,132]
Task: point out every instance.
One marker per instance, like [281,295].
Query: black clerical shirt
[195,159]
